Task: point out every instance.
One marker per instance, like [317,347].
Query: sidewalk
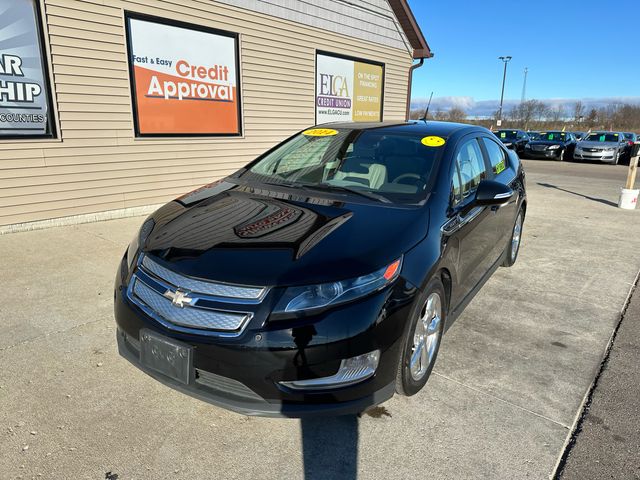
[607,444]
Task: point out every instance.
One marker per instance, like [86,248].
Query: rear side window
[471,166]
[497,157]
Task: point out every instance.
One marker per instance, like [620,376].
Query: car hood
[597,144]
[256,236]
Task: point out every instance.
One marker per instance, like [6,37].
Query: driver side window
[470,164]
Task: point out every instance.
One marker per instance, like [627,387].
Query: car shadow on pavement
[330,447]
[594,199]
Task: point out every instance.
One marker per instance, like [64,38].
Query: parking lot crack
[563,425]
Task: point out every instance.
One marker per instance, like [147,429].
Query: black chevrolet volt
[320,278]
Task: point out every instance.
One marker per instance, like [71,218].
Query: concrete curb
[588,397]
[79,219]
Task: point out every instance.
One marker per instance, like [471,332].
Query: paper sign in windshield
[320,132]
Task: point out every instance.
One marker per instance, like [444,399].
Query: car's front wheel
[513,248]
[561,155]
[422,340]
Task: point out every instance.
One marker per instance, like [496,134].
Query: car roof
[418,127]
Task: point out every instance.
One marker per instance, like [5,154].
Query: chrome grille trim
[198,318]
[215,289]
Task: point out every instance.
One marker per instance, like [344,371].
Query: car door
[471,229]
[502,217]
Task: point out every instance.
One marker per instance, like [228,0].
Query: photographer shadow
[330,447]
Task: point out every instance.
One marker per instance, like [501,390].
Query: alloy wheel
[515,239]
[426,337]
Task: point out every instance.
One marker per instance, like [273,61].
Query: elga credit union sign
[184,78]
[348,89]
[24,93]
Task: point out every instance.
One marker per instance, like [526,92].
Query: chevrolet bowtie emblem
[178,298]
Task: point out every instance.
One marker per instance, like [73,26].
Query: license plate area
[165,355]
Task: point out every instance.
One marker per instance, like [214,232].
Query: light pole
[505,60]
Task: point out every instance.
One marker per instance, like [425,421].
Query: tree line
[538,115]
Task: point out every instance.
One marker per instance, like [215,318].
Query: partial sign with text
[348,89]
[185,79]
[24,91]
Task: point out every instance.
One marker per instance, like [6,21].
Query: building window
[348,89]
[184,78]
[25,96]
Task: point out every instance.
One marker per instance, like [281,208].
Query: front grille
[188,316]
[539,148]
[592,150]
[193,305]
[191,284]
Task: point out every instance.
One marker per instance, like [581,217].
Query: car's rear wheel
[422,340]
[513,248]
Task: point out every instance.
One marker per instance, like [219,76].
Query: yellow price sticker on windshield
[433,141]
[500,167]
[320,132]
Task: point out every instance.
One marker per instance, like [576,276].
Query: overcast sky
[587,50]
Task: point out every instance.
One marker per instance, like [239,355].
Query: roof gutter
[409,85]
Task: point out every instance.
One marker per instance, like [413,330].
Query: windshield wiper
[355,191]
[327,187]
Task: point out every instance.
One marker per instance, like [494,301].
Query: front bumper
[601,156]
[243,373]
[542,154]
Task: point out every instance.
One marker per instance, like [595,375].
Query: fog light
[352,370]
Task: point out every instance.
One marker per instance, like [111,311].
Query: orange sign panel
[185,79]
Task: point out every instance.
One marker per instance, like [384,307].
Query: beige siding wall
[97,164]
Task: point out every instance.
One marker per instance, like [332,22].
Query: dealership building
[107,108]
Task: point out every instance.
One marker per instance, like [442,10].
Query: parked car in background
[607,147]
[631,138]
[320,278]
[579,135]
[533,135]
[551,145]
[513,139]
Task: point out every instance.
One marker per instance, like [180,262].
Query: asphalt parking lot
[510,379]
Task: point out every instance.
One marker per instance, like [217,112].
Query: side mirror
[490,193]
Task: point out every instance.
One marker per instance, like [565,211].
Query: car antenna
[426,112]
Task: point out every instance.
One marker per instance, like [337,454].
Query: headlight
[554,147]
[139,238]
[508,144]
[297,299]
[609,149]
[527,146]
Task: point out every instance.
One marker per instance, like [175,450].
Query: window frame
[507,161]
[456,167]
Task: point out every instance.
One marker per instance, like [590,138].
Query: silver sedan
[607,147]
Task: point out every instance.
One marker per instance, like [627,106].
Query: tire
[425,330]
[511,252]
[617,159]
[562,155]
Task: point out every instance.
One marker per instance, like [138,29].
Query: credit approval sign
[184,78]
[348,89]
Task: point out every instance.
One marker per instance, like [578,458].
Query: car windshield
[507,134]
[553,136]
[389,167]
[602,137]
[629,136]
[534,135]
